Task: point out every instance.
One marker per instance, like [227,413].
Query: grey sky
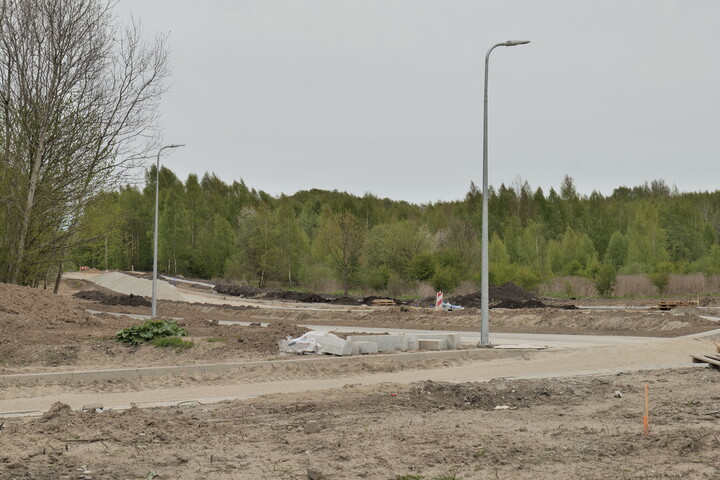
[386,96]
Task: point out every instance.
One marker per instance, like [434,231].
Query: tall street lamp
[484,289]
[153,313]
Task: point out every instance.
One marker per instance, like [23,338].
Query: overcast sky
[386,96]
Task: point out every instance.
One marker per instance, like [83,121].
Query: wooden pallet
[383,302]
[670,304]
[712,360]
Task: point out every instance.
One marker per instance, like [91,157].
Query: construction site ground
[564,413]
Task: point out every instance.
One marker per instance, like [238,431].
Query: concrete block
[385,343]
[432,344]
[366,347]
[454,341]
[335,346]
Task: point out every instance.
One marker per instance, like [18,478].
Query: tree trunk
[27,212]
[59,277]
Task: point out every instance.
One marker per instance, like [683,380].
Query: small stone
[618,394]
[314,474]
[312,426]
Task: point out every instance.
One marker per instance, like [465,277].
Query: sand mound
[127,284]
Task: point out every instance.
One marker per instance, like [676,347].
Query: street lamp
[153,313]
[484,289]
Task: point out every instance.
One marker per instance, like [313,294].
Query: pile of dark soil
[505,296]
[289,295]
[113,299]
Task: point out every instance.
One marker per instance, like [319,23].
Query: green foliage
[316,238]
[422,266]
[605,279]
[660,277]
[573,255]
[176,342]
[446,278]
[647,239]
[378,277]
[501,273]
[617,250]
[150,330]
[339,243]
[396,245]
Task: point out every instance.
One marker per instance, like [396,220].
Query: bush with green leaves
[605,279]
[660,276]
[150,330]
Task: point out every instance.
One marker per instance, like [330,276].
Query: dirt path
[286,377]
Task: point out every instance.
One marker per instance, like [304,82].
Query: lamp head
[512,43]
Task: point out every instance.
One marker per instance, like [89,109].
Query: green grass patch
[215,340]
[176,342]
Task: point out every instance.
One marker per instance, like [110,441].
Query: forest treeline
[211,229]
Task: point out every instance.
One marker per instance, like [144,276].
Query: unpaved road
[262,378]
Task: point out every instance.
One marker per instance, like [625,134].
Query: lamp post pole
[484,285]
[153,312]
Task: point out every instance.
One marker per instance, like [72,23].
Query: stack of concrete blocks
[362,344]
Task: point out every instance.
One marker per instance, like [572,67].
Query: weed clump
[149,331]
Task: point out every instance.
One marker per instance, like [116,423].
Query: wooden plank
[383,302]
[705,359]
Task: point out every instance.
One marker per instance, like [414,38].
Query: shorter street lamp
[153,313]
[484,282]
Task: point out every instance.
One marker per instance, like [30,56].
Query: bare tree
[79,104]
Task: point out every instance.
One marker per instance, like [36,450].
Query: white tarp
[311,342]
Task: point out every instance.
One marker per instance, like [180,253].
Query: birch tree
[78,110]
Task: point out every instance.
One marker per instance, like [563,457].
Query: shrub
[378,278]
[422,267]
[150,330]
[605,280]
[445,279]
[660,277]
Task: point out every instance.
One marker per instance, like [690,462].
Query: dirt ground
[554,428]
[39,330]
[570,427]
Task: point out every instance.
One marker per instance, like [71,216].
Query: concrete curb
[91,375]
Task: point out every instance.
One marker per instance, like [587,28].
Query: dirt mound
[58,409]
[288,295]
[42,308]
[113,299]
[505,296]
